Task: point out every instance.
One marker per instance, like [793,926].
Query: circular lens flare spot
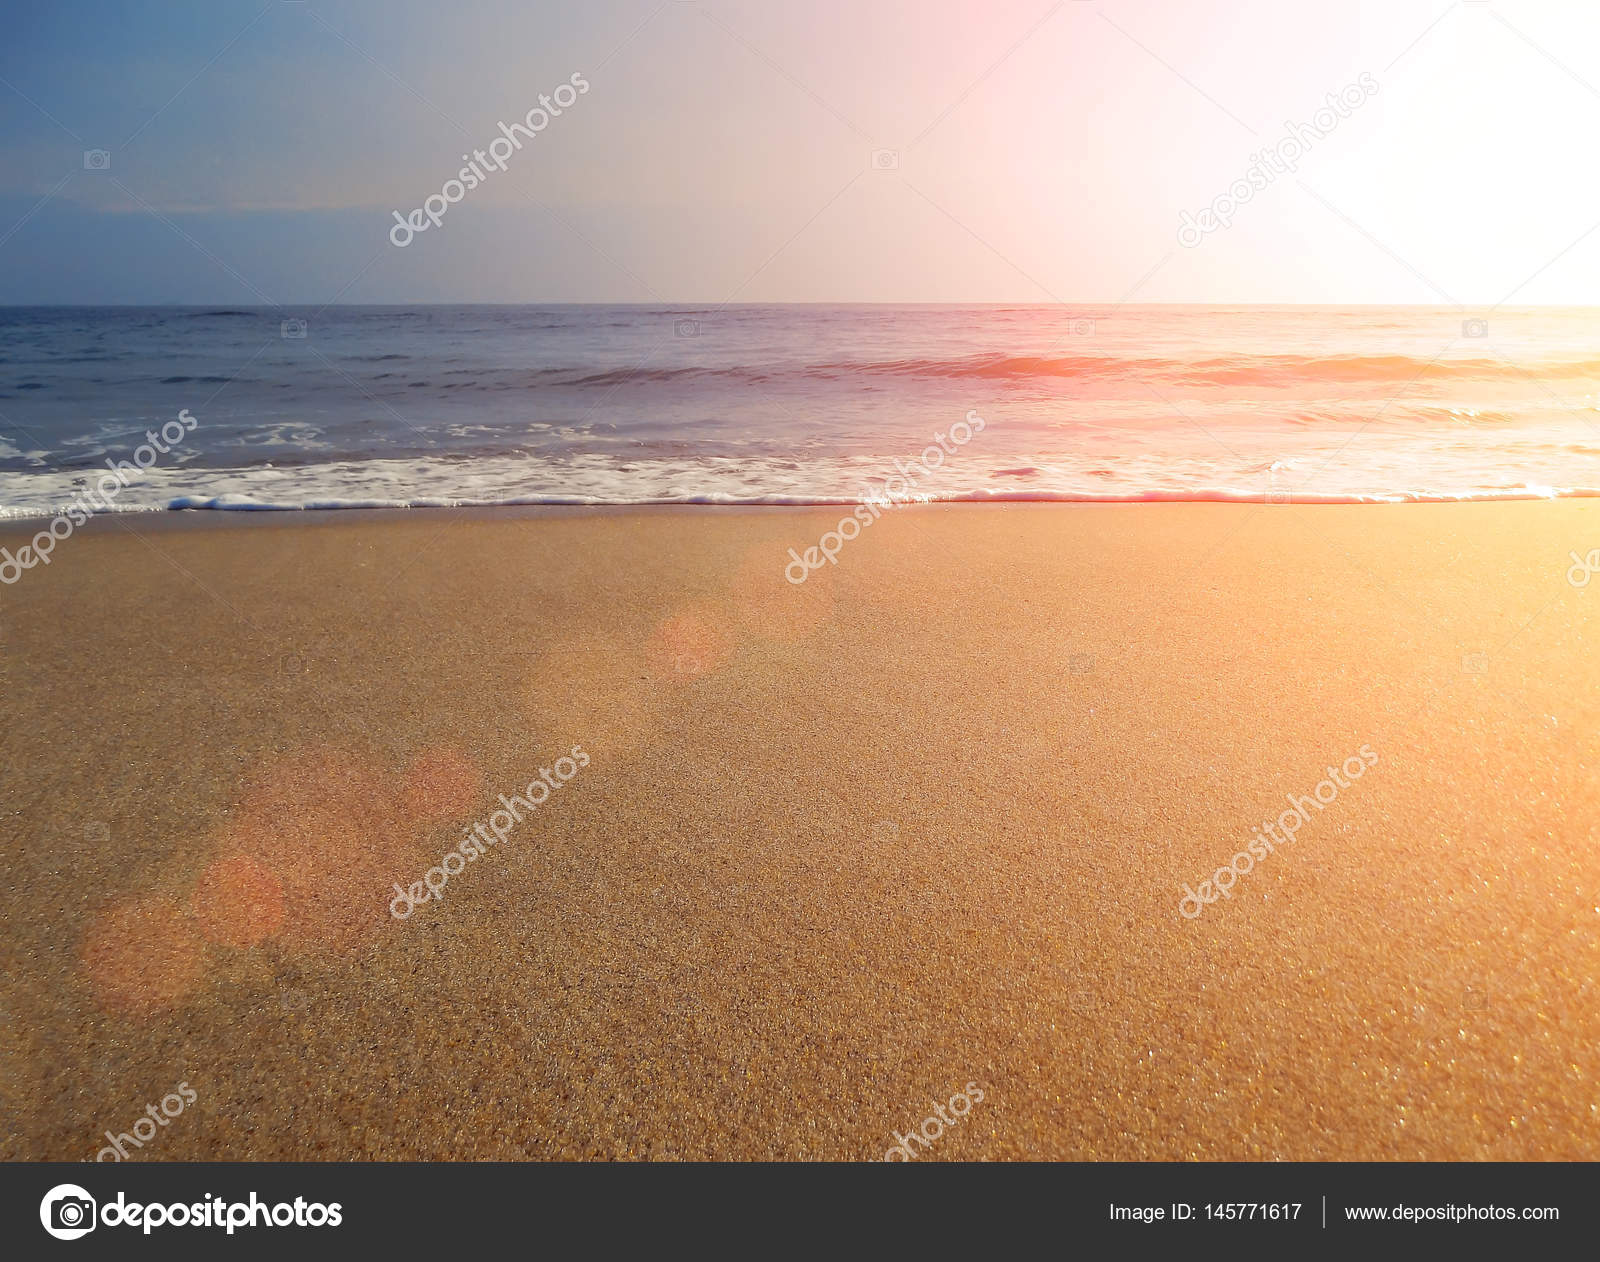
[238,902]
[331,828]
[141,956]
[689,644]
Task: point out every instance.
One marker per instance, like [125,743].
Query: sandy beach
[840,849]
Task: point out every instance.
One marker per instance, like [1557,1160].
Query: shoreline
[183,518]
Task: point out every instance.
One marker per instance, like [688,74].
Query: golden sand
[841,849]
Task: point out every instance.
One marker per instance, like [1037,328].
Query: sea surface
[452,405]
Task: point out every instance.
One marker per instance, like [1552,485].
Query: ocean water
[445,405]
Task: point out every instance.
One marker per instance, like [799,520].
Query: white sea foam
[593,480]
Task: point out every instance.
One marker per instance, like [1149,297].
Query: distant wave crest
[1240,370]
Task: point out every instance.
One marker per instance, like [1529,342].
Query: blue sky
[1040,151]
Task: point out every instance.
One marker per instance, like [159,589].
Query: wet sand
[840,850]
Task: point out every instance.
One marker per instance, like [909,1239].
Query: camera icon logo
[1083,327]
[1475,663]
[67,1211]
[96,160]
[1474,328]
[686,328]
[885,160]
[691,662]
[292,328]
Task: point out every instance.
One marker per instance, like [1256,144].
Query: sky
[832,151]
